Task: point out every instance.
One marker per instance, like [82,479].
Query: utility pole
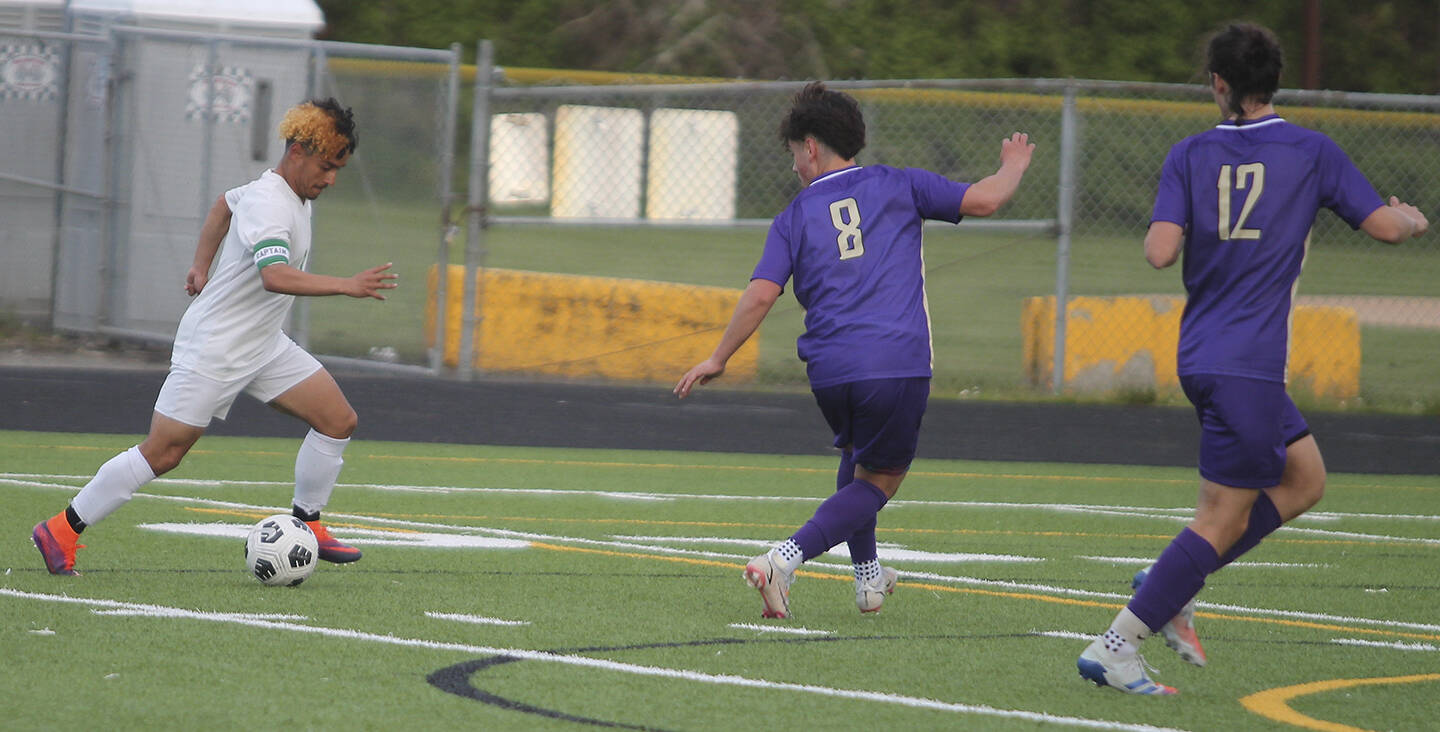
[1310,67]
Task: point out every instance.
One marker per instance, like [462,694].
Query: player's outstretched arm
[212,232]
[760,295]
[987,195]
[287,280]
[1395,222]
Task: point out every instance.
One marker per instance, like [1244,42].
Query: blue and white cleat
[1179,633]
[1121,673]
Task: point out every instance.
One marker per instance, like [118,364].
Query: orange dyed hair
[322,127]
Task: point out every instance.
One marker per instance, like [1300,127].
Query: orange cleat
[57,543]
[331,549]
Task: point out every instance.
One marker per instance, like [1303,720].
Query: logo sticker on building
[29,71]
[234,93]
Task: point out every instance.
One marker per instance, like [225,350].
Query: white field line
[159,611]
[778,629]
[30,480]
[1257,611]
[1066,634]
[138,612]
[475,619]
[843,569]
[362,537]
[889,551]
[1399,646]
[1151,560]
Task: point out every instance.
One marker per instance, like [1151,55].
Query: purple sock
[839,517]
[1264,519]
[846,475]
[1178,574]
[862,542]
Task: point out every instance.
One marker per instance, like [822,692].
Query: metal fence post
[314,89]
[1064,223]
[476,220]
[447,193]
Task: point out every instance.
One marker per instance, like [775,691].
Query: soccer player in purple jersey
[851,240]
[1239,200]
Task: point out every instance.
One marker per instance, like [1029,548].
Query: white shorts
[195,399]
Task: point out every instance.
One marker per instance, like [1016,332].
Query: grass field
[977,284]
[500,586]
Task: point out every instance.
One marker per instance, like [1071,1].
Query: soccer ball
[281,551]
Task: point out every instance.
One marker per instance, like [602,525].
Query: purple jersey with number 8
[852,242]
[1247,196]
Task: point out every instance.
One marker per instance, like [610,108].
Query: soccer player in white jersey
[230,338]
[1239,200]
[851,243]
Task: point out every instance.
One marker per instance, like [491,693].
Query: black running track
[528,413]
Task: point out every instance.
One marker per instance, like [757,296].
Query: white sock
[113,485]
[1125,633]
[317,466]
[867,572]
[788,555]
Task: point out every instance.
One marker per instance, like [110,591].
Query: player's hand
[1016,150]
[701,373]
[372,281]
[195,281]
[1410,212]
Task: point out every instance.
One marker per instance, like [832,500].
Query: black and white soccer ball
[281,551]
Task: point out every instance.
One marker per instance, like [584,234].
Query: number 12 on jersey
[1251,177]
[845,215]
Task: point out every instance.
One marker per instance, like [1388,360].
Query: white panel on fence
[693,154]
[597,162]
[519,159]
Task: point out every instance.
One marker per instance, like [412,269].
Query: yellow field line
[882,530]
[1274,703]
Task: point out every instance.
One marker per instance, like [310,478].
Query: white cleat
[869,597]
[1122,673]
[765,575]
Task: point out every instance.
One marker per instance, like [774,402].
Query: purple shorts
[1245,426]
[878,418]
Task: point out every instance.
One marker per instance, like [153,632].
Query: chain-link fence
[676,182]
[118,142]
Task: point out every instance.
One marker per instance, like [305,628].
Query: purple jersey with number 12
[1247,196]
[852,242]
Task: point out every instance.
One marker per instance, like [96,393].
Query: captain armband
[271,251]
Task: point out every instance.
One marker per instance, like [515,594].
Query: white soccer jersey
[234,324]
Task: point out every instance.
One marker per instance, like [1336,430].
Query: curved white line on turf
[778,629]
[161,611]
[474,619]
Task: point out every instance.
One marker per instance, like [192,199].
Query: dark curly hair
[832,117]
[1249,59]
[321,126]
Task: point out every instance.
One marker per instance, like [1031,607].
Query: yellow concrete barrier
[571,325]
[1129,342]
